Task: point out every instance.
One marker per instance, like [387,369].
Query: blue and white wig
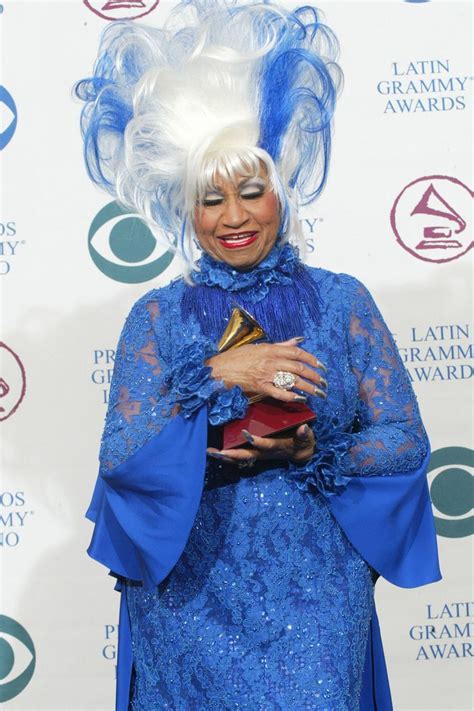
[221,89]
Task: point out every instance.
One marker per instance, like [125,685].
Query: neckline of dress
[277,268]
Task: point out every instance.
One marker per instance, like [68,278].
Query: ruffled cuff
[193,385]
[327,469]
[227,404]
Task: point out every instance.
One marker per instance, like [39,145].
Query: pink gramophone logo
[12,381]
[121,9]
[431,218]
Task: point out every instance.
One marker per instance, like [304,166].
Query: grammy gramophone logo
[431,218]
[121,9]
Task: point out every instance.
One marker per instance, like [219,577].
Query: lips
[236,240]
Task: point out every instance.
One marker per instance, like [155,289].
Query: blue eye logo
[17,658]
[123,247]
[8,117]
[452,491]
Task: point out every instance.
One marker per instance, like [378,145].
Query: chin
[243,259]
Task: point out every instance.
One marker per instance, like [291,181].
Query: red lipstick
[236,240]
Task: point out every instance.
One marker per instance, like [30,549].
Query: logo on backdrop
[438,352]
[423,87]
[121,9]
[445,632]
[452,491]
[123,247]
[12,381]
[8,117]
[9,245]
[13,515]
[102,371]
[17,658]
[431,218]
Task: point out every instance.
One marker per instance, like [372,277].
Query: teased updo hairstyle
[221,89]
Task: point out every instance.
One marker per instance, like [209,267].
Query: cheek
[203,223]
[269,212]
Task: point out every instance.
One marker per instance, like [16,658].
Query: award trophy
[265,415]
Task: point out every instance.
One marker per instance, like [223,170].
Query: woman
[246,573]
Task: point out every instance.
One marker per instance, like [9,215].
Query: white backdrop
[403,118]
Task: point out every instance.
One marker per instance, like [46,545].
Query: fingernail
[305,430]
[300,398]
[248,436]
[215,455]
[300,339]
[320,393]
[323,381]
[322,366]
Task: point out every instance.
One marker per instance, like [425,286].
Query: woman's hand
[297,447]
[253,368]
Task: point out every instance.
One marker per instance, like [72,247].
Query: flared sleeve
[374,473]
[385,509]
[153,449]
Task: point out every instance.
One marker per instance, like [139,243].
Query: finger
[295,353]
[240,455]
[292,341]
[216,454]
[304,386]
[304,444]
[302,370]
[309,388]
[262,443]
[272,448]
[283,395]
[304,436]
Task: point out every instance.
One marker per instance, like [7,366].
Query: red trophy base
[266,417]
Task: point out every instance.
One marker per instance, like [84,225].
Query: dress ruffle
[277,268]
[194,386]
[226,405]
[325,470]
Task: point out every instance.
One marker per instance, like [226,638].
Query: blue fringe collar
[279,292]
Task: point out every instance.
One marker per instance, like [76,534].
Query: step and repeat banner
[396,213]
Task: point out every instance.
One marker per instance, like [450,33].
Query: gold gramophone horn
[241,329]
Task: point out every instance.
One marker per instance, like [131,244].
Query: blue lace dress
[269,605]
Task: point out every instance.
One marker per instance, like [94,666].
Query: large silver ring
[284,380]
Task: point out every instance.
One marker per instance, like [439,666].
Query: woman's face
[238,223]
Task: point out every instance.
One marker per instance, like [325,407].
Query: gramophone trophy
[265,415]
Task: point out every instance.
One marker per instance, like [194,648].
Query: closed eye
[212,202]
[252,195]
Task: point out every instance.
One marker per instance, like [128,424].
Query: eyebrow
[255,179]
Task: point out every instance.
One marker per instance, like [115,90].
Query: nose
[235,215]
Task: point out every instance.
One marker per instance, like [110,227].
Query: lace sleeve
[388,436]
[157,375]
[139,399]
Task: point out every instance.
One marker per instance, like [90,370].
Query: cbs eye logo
[17,658]
[452,491]
[123,247]
[8,117]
